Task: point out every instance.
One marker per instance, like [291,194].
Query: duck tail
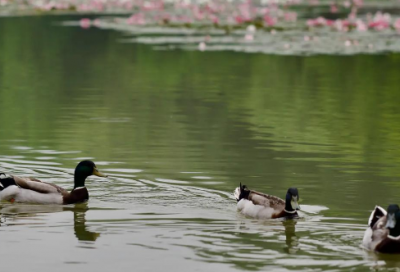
[6,181]
[241,192]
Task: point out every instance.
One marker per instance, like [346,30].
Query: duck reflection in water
[292,242]
[80,228]
[11,214]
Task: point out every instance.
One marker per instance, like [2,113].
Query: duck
[383,232]
[260,205]
[32,190]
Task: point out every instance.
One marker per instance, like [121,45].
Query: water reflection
[80,228]
[292,241]
[383,262]
[17,210]
[26,214]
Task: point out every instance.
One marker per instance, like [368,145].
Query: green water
[177,131]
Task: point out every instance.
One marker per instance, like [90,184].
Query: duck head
[83,170]
[393,220]
[292,198]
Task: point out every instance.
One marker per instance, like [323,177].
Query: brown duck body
[377,237]
[389,245]
[48,191]
[31,190]
[264,205]
[274,202]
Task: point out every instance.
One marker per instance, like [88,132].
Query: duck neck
[79,180]
[395,231]
[288,205]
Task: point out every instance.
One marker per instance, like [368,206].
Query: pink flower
[379,25]
[361,26]
[198,14]
[147,6]
[269,21]
[96,22]
[85,23]
[380,21]
[128,5]
[249,37]
[97,5]
[136,19]
[214,19]
[245,12]
[353,13]
[334,8]
[239,19]
[339,25]
[290,16]
[358,3]
[320,21]
[48,6]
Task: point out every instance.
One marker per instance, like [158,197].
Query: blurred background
[181,101]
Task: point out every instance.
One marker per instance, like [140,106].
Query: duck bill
[391,221]
[295,205]
[98,173]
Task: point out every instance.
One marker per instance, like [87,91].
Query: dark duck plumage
[383,232]
[31,190]
[260,205]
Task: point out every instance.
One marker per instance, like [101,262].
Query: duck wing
[38,186]
[376,215]
[266,200]
[379,233]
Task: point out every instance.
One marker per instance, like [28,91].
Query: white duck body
[21,195]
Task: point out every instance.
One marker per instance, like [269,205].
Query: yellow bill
[98,173]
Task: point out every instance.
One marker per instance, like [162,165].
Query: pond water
[177,131]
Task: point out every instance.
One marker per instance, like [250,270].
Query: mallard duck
[259,205]
[31,190]
[383,232]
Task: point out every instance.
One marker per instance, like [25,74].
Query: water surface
[177,131]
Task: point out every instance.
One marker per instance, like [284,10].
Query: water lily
[136,19]
[358,3]
[361,26]
[248,37]
[290,16]
[85,23]
[269,21]
[320,21]
[251,28]
[334,8]
[380,21]
[202,46]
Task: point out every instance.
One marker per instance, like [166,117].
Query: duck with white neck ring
[383,232]
[263,206]
[31,190]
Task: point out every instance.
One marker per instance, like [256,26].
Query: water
[177,131]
